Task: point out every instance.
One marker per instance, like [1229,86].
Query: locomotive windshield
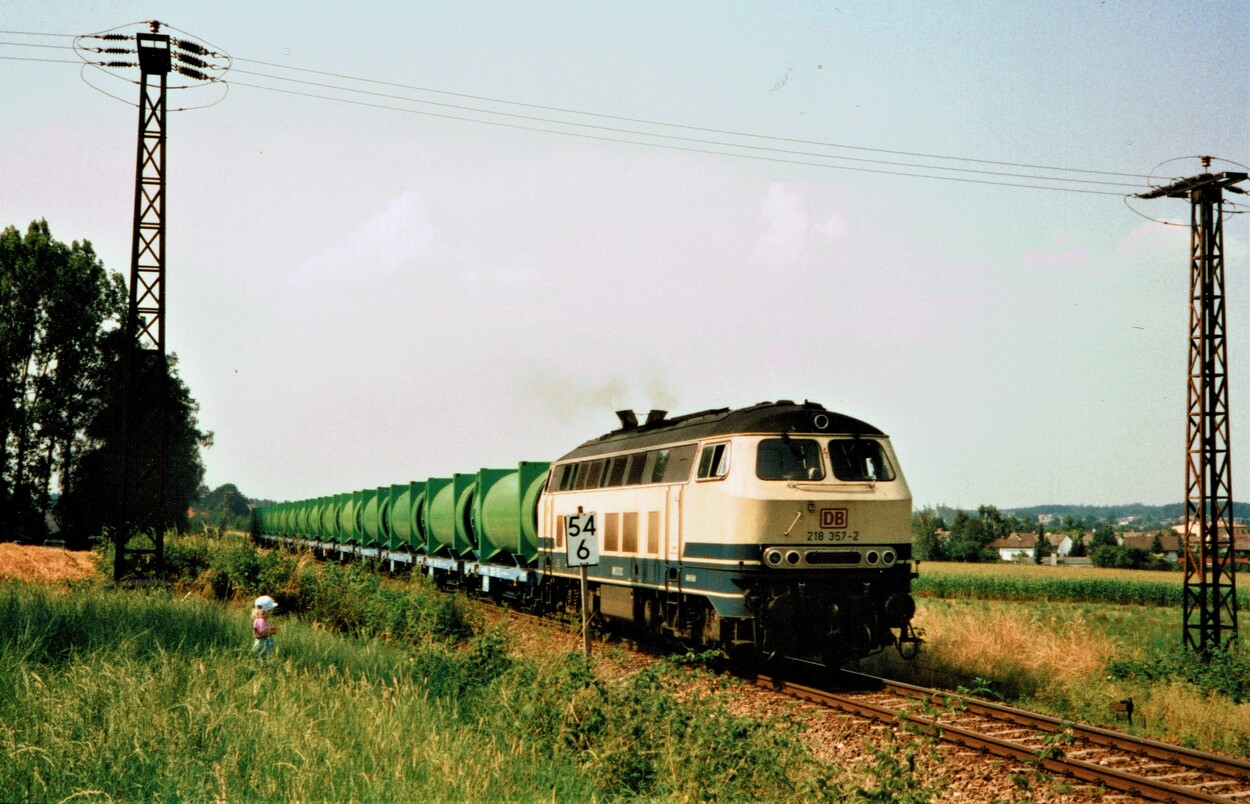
[858,459]
[789,459]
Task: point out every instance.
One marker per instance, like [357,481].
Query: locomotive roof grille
[779,417]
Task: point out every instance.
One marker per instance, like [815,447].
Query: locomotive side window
[789,459]
[656,460]
[680,461]
[616,472]
[858,459]
[590,475]
[653,533]
[714,462]
[637,463]
[562,477]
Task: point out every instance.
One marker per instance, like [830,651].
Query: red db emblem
[833,518]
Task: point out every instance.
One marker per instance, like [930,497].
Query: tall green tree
[61,391]
[1104,536]
[1041,548]
[89,505]
[56,301]
[924,526]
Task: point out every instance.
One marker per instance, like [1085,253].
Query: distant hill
[1143,517]
[1169,512]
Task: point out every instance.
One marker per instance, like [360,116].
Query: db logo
[833,518]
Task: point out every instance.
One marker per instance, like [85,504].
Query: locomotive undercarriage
[807,618]
[834,620]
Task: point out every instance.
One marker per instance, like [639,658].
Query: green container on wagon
[399,516]
[346,521]
[384,516]
[418,515]
[465,486]
[319,518]
[440,516]
[304,512]
[330,518]
[505,511]
[496,513]
[370,525]
[533,478]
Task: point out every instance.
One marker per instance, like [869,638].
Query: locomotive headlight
[793,557]
[888,557]
[872,557]
[773,557]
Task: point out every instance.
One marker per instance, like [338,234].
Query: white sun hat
[266,603]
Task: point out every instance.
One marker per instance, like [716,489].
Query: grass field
[391,690]
[378,692]
[1004,581]
[1072,641]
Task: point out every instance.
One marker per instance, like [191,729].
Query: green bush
[1226,672]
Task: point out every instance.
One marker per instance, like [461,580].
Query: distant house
[1019,546]
[1144,540]
[1241,539]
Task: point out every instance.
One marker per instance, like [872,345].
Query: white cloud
[1058,254]
[1152,237]
[398,237]
[791,236]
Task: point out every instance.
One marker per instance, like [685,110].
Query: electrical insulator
[190,73]
[114,37]
[120,50]
[193,47]
[117,64]
[192,60]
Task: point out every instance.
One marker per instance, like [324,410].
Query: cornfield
[1073,584]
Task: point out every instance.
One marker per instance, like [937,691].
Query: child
[261,629]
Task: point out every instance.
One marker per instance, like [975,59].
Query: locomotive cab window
[714,462]
[859,459]
[789,459]
[562,477]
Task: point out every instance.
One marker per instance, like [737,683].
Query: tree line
[941,534]
[62,339]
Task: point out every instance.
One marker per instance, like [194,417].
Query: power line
[600,138]
[32,44]
[37,33]
[46,61]
[697,140]
[680,125]
[690,144]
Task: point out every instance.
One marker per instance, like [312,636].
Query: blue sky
[361,296]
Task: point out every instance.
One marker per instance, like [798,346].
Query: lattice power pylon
[1210,582]
[141,506]
[142,438]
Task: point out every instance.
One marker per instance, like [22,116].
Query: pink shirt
[260,627]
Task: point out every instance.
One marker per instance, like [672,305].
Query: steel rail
[1142,786]
[1198,760]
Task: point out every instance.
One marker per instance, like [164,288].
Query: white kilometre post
[583,551]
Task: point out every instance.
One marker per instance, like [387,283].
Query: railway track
[1130,765]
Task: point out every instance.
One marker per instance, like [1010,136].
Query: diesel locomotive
[780,530]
